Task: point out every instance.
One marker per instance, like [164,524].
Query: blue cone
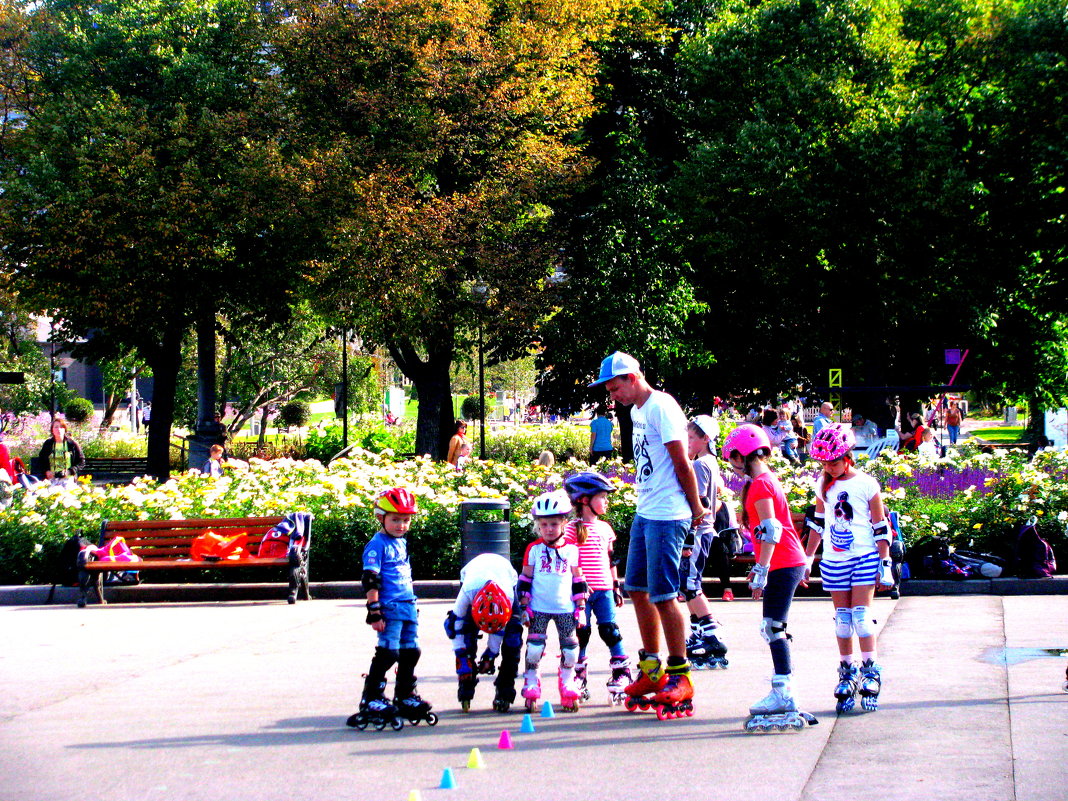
[447,780]
[547,710]
[528,725]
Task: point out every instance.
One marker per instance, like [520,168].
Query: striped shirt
[593,554]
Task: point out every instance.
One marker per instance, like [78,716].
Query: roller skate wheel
[431,719]
[799,724]
[465,706]
[1065,686]
[631,703]
[379,725]
[362,725]
[397,724]
[530,703]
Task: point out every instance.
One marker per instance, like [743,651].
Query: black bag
[1034,556]
[66,568]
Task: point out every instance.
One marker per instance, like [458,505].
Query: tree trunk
[431,378]
[626,429]
[166,361]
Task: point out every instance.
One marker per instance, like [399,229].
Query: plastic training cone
[475,760]
[505,741]
[527,726]
[547,710]
[447,780]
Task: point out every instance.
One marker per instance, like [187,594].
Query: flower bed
[974,499]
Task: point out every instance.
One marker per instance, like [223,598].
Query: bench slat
[167,564]
[205,524]
[163,539]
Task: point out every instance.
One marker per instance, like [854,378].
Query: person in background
[214,466]
[5,457]
[953,421]
[823,418]
[61,455]
[459,437]
[865,432]
[601,427]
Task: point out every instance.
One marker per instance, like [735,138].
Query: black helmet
[586,484]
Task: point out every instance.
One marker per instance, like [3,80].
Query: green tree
[440,140]
[143,186]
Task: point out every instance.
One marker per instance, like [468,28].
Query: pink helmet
[745,439]
[832,442]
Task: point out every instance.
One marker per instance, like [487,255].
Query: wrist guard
[578,591]
[760,577]
[372,580]
[881,531]
[374,612]
[617,593]
[524,587]
[816,523]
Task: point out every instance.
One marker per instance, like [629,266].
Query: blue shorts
[653,557]
[856,571]
[402,626]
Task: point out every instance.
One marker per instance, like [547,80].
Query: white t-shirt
[659,420]
[551,590]
[473,577]
[847,527]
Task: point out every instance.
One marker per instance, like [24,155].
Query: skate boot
[570,694]
[621,677]
[651,680]
[531,689]
[582,678]
[375,710]
[675,699]
[870,684]
[503,697]
[486,663]
[708,651]
[414,709]
[846,690]
[467,679]
[777,711]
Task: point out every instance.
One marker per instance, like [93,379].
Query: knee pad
[862,624]
[513,636]
[689,594]
[381,662]
[535,648]
[610,633]
[772,630]
[568,656]
[843,623]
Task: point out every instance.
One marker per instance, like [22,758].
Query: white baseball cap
[708,426]
[617,364]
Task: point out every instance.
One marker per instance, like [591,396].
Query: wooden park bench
[115,471]
[166,545]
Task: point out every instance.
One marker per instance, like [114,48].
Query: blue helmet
[585,485]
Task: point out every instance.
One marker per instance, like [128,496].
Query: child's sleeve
[372,557]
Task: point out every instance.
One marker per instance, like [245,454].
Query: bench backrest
[171,539]
[117,463]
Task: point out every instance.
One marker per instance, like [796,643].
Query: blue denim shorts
[402,626]
[653,558]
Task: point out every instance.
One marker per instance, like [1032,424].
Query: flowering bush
[974,499]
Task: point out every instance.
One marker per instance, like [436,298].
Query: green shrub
[470,409]
[294,414]
[79,410]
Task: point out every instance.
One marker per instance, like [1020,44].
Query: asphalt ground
[248,700]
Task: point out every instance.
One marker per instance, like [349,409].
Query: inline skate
[570,695]
[846,690]
[651,680]
[870,684]
[705,650]
[413,708]
[376,710]
[467,679]
[621,677]
[582,679]
[675,699]
[778,711]
[531,690]
[503,697]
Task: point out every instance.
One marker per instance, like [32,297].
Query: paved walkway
[248,700]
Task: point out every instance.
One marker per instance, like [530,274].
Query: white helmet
[707,425]
[550,504]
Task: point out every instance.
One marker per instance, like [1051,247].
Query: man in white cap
[668,506]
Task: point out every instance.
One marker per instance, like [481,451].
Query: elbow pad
[578,591]
[453,625]
[372,580]
[881,531]
[816,523]
[769,530]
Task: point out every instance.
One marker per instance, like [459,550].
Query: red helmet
[491,608]
[397,500]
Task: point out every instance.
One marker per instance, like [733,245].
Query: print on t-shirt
[842,525]
[643,464]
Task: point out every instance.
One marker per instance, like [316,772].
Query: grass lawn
[1003,434]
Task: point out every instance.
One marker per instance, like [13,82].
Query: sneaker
[728,595]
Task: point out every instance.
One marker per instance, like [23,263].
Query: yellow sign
[834,378]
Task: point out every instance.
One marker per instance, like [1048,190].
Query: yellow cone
[415,795]
[475,760]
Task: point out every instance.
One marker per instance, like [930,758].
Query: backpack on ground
[66,568]
[1034,556]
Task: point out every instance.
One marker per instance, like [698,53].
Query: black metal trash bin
[482,536]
